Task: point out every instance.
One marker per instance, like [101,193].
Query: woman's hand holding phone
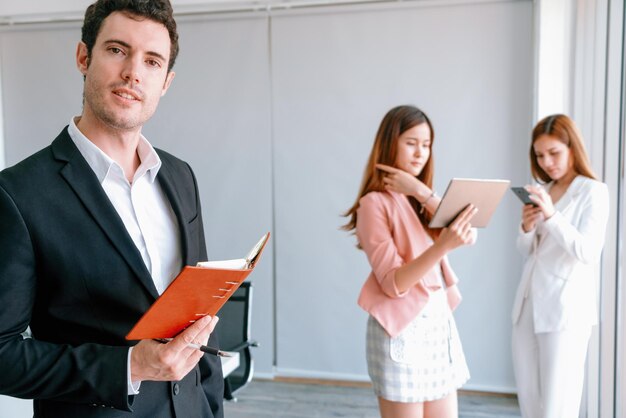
[540,206]
[531,214]
[523,195]
[542,199]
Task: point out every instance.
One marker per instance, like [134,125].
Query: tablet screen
[485,194]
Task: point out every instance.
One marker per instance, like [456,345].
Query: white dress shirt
[143,207]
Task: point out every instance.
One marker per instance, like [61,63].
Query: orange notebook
[197,291]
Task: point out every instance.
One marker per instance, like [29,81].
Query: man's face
[126,74]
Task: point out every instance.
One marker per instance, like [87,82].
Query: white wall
[29,7]
[554,57]
[64,9]
[15,408]
[57,8]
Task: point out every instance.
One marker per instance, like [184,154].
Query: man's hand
[151,360]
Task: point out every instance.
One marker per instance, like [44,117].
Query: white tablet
[484,194]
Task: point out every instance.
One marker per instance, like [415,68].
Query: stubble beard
[124,121]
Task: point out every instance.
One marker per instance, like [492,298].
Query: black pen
[203,348]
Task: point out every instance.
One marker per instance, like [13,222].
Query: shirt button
[176,389]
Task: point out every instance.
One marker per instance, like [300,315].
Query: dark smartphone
[523,195]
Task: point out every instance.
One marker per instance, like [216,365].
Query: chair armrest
[229,364]
[243,345]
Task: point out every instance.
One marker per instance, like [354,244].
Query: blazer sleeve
[452,290]
[585,240]
[525,241]
[201,241]
[32,369]
[373,230]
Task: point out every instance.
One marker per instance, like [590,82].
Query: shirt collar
[102,164]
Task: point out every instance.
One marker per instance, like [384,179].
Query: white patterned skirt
[424,363]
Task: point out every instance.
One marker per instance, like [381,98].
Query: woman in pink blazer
[414,355]
[561,237]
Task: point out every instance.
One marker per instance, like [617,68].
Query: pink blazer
[391,235]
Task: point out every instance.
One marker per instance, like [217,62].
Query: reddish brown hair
[397,121]
[562,128]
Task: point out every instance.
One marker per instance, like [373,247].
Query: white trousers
[549,368]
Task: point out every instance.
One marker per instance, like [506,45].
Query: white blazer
[562,257]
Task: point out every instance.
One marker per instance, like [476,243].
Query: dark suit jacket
[69,269]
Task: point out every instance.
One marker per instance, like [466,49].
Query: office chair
[233,330]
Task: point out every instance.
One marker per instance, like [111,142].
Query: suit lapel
[84,182]
[570,194]
[410,222]
[568,197]
[166,180]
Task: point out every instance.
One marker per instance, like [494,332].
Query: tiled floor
[296,400]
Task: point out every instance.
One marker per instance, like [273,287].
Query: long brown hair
[562,128]
[397,121]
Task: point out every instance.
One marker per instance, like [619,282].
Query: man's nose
[131,72]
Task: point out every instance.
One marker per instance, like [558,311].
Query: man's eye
[153,63]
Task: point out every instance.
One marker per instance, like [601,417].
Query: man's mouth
[127,94]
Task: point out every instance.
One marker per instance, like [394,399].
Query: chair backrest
[233,330]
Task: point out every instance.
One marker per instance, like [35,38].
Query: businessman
[92,229]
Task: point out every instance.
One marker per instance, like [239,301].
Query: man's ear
[168,82]
[82,58]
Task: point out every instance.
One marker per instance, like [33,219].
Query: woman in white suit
[561,237]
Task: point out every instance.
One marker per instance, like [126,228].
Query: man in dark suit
[92,230]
